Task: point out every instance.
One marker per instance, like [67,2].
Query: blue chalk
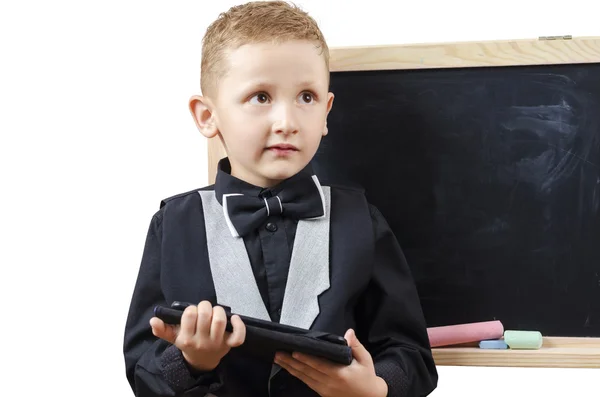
[493,344]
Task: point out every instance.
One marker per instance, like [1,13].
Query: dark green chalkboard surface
[490,179]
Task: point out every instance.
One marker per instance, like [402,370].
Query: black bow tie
[301,199]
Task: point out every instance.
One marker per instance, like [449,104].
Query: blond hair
[254,22]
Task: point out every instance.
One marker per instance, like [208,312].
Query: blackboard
[490,179]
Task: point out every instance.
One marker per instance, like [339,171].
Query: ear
[203,114]
[329,106]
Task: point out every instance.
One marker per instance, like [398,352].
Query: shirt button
[271,227]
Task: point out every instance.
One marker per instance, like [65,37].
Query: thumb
[360,353]
[162,330]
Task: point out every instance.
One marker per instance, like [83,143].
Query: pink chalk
[465,333]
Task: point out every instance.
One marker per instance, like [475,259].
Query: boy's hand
[201,337]
[330,379]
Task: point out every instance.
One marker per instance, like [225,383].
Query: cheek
[241,128]
[315,122]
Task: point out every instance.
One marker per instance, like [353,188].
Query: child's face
[270,109]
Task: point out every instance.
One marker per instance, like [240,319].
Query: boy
[269,241]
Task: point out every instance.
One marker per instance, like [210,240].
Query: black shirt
[371,290]
[270,246]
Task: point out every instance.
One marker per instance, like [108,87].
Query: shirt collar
[225,183]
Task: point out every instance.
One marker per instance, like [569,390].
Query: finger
[217,325]
[162,330]
[238,336]
[310,382]
[359,352]
[325,367]
[205,311]
[187,328]
[299,366]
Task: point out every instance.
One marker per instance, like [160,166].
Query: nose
[284,120]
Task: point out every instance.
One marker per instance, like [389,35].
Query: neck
[255,180]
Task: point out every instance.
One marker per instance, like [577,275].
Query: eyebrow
[259,84]
[307,83]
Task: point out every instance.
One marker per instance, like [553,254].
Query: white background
[95,131]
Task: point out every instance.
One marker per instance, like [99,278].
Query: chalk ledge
[556,352]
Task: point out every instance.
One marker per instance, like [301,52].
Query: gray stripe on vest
[308,276]
[232,275]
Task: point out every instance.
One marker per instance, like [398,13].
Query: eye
[259,99]
[306,97]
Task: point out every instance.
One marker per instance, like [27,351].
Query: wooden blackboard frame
[559,352]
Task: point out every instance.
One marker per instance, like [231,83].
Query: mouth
[282,148]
